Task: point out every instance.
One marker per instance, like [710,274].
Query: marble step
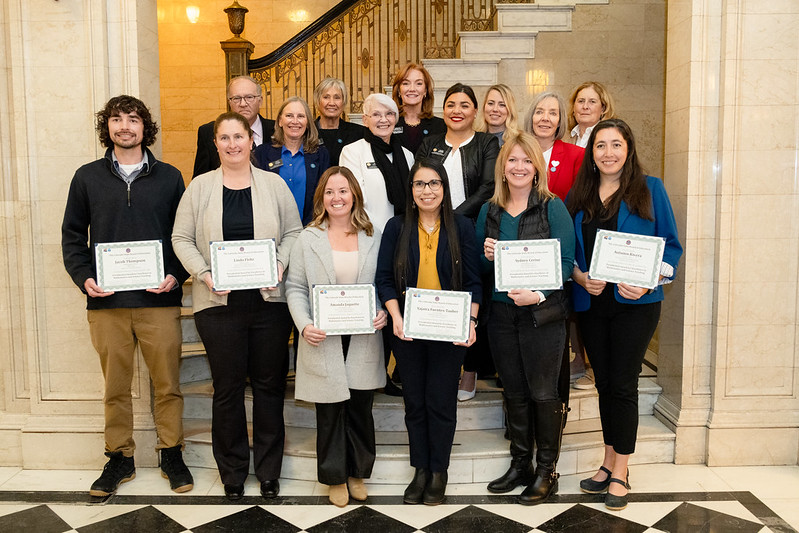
[536,17]
[484,412]
[187,326]
[492,44]
[477,455]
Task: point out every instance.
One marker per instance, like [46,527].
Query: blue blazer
[315,165]
[470,260]
[664,226]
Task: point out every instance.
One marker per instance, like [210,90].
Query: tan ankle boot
[357,489]
[338,495]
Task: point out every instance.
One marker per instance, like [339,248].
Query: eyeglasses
[379,116]
[419,185]
[250,98]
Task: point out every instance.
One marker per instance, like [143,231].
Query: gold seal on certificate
[129,266]
[344,309]
[533,265]
[627,258]
[437,315]
[244,264]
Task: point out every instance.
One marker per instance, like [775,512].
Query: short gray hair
[322,88]
[257,85]
[563,117]
[375,99]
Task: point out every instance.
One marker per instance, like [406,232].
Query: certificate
[129,266]
[533,265]
[437,315]
[244,264]
[344,309]
[627,258]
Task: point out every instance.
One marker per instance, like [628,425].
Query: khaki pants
[115,333]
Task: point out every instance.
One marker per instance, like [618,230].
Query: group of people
[409,200]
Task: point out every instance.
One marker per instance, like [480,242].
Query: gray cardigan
[322,374]
[199,221]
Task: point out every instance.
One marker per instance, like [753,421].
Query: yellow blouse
[428,246]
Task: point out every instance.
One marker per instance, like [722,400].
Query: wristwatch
[473,319]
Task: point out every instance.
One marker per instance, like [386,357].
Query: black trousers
[430,374]
[616,338]
[247,338]
[528,359]
[345,438]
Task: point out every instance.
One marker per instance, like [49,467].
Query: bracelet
[473,319]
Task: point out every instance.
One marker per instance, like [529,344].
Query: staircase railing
[363,42]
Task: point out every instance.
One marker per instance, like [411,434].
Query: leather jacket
[477,159]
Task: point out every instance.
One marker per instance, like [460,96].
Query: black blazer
[335,140]
[470,260]
[207,158]
[478,159]
[430,126]
[315,164]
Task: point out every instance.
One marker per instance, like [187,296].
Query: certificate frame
[263,252]
[627,258]
[110,277]
[504,266]
[363,294]
[421,323]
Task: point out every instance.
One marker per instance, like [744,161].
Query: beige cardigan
[199,221]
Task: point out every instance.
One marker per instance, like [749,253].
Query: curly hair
[125,104]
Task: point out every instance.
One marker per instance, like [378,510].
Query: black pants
[616,338]
[345,438]
[528,359]
[247,338]
[430,374]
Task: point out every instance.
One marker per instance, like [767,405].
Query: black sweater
[100,208]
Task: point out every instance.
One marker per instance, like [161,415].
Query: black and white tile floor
[664,498]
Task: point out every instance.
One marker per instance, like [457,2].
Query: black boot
[118,469]
[548,433]
[521,439]
[415,491]
[435,489]
[175,470]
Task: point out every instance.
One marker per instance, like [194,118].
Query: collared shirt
[257,132]
[293,173]
[454,165]
[130,172]
[582,142]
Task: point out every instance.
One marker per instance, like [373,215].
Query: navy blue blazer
[470,260]
[664,226]
[315,164]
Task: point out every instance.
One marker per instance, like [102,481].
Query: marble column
[729,364]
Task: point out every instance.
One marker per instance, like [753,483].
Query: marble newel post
[61,63]
[728,364]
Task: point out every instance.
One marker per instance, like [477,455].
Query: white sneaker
[586,382]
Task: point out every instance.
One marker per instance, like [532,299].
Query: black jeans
[616,338]
[247,338]
[430,374]
[345,438]
[528,359]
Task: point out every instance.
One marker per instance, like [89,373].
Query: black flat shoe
[434,491]
[234,492]
[270,488]
[391,389]
[415,491]
[590,486]
[613,502]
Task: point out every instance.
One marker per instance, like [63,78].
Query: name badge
[275,164]
[439,152]
[371,164]
[398,129]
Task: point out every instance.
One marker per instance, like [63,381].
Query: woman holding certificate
[429,250]
[526,325]
[338,372]
[617,320]
[245,332]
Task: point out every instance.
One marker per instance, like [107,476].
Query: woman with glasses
[295,154]
[330,99]
[428,247]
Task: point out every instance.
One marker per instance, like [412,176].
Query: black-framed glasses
[419,185]
[249,98]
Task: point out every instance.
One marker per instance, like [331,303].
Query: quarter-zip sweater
[103,207]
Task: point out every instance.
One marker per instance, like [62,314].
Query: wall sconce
[299,15]
[193,14]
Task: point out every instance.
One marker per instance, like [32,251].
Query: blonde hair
[512,122]
[529,145]
[608,111]
[322,88]
[310,139]
[358,217]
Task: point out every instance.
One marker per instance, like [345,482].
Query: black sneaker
[174,469]
[118,469]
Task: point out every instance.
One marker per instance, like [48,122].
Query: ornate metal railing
[363,42]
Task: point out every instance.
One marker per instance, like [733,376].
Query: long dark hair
[411,221]
[584,194]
